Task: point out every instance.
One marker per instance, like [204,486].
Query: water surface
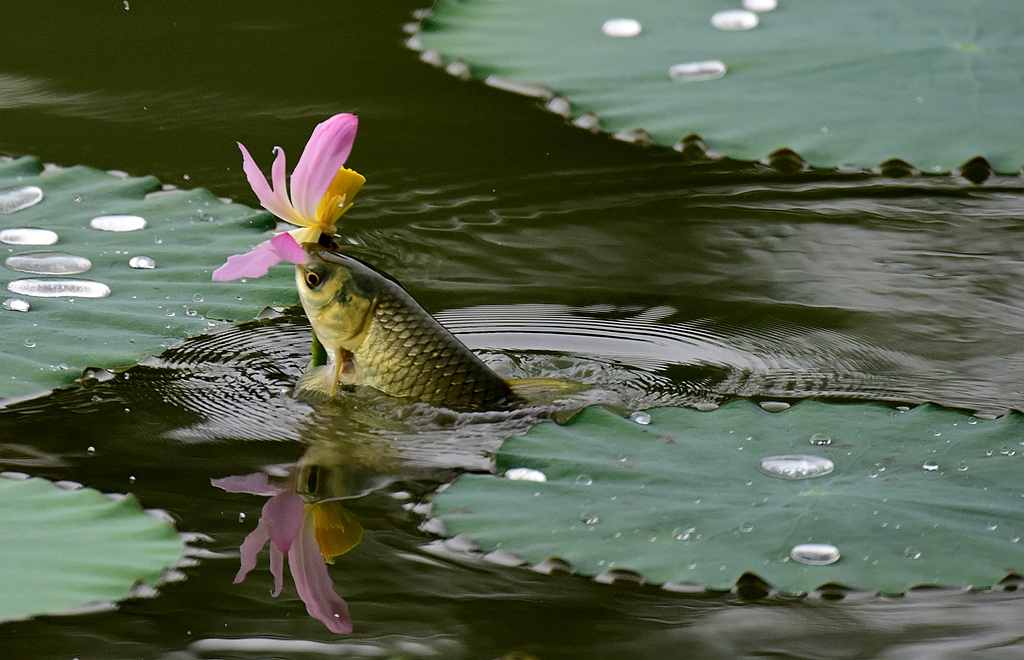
[551,252]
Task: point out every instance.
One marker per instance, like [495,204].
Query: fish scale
[445,372]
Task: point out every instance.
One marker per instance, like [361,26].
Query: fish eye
[312,479]
[312,280]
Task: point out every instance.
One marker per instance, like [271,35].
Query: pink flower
[321,192]
[310,534]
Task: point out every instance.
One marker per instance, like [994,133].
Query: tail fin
[543,390]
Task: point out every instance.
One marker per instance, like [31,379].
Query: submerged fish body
[377,335]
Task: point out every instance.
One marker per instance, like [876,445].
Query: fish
[376,335]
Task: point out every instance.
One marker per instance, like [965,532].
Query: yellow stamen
[338,198]
[337,531]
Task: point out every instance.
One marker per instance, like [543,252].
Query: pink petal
[325,153]
[283,514]
[314,585]
[254,263]
[250,549]
[277,569]
[274,200]
[253,484]
[286,247]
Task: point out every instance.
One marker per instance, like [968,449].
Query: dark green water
[550,250]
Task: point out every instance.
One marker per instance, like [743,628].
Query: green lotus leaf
[188,234]
[932,82]
[67,549]
[917,498]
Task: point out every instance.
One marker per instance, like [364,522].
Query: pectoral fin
[319,381]
[323,381]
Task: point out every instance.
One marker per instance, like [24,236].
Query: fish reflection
[305,521]
[344,468]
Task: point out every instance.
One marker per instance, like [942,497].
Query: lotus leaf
[151,305]
[931,82]
[70,549]
[922,497]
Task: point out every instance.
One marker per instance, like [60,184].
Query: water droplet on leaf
[796,466]
[641,418]
[584,480]
[118,223]
[28,236]
[19,198]
[734,19]
[760,5]
[820,439]
[621,27]
[142,261]
[697,71]
[525,474]
[815,554]
[16,305]
[59,288]
[930,467]
[48,263]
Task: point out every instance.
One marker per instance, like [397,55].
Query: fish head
[339,306]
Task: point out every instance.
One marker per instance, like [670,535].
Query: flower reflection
[310,534]
[321,192]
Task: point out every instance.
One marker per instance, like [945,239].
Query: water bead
[774,406]
[734,19]
[815,554]
[584,480]
[59,288]
[525,474]
[588,519]
[760,5]
[820,440]
[48,263]
[683,533]
[16,305]
[19,198]
[697,71]
[641,418]
[118,223]
[142,261]
[621,27]
[930,467]
[796,466]
[28,236]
